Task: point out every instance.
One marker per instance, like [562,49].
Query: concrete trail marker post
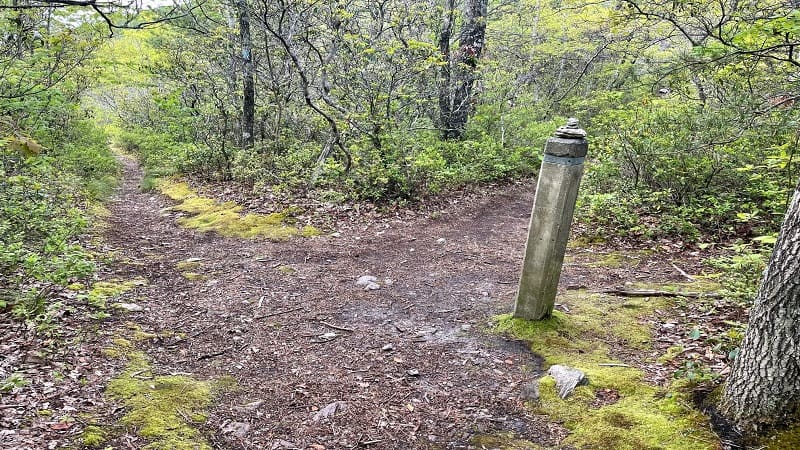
[553,207]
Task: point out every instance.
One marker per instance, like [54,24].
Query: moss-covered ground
[504,441]
[102,291]
[226,219]
[641,416]
[165,410]
[781,439]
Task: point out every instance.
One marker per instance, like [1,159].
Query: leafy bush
[684,169]
[42,212]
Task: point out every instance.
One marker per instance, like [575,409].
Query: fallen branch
[337,327]
[278,313]
[613,365]
[680,271]
[656,293]
[214,355]
[323,341]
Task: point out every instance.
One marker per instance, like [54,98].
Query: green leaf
[767,240]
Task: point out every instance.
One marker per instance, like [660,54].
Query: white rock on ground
[368,282]
[567,379]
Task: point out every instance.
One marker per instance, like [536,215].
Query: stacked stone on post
[553,208]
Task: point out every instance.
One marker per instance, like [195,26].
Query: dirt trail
[416,371]
[412,363]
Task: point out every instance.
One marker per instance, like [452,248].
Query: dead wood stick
[680,271]
[323,341]
[337,327]
[613,365]
[278,313]
[215,354]
[656,293]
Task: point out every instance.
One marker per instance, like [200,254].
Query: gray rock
[365,280]
[238,429]
[567,379]
[130,307]
[368,282]
[250,407]
[571,130]
[329,411]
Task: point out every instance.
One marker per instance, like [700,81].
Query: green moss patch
[164,410]
[286,270]
[193,276]
[310,231]
[176,191]
[189,269]
[102,291]
[781,440]
[226,218]
[701,284]
[93,436]
[502,441]
[645,416]
[189,264]
[613,260]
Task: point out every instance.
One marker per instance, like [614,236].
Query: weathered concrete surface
[553,208]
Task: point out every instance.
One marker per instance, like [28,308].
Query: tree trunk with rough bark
[445,89]
[458,76]
[249,90]
[763,389]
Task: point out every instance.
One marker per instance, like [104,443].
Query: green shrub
[43,211]
[683,169]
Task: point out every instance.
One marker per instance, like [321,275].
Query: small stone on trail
[387,348]
[567,379]
[130,307]
[365,280]
[329,411]
[441,241]
[238,429]
[369,282]
[250,407]
[412,372]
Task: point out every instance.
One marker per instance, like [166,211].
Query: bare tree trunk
[248,75]
[458,75]
[763,389]
[445,88]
